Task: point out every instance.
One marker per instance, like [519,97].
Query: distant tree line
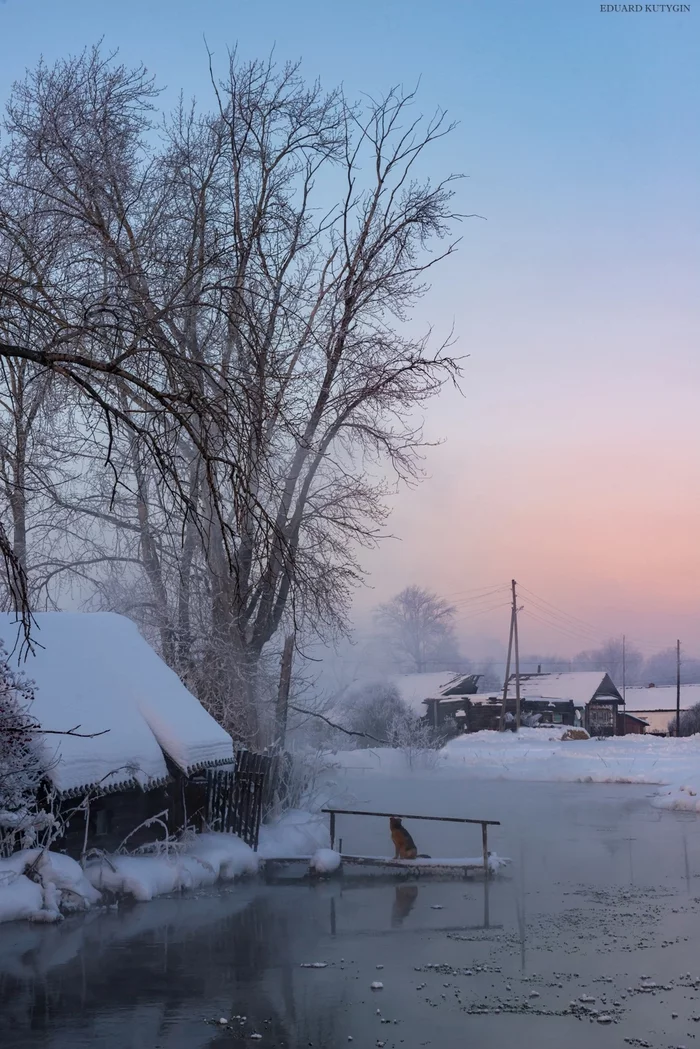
[417,629]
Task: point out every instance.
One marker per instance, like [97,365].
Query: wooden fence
[235,799]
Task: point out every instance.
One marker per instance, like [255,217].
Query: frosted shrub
[419,742]
[375,710]
[21,761]
[302,780]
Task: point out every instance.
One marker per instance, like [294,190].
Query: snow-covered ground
[42,886]
[673,765]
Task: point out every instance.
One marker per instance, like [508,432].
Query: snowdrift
[43,886]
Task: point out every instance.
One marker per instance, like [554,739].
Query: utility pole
[517,658]
[678,689]
[502,723]
[624,682]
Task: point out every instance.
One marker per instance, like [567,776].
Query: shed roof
[662,697]
[96,671]
[414,689]
[635,717]
[580,686]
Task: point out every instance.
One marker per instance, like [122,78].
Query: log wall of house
[114,816]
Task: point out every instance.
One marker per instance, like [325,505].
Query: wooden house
[139,735]
[631,724]
[592,692]
[656,704]
[453,702]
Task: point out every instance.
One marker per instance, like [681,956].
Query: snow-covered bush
[22,761]
[420,743]
[374,710]
[302,780]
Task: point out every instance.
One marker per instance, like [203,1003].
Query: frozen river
[602,903]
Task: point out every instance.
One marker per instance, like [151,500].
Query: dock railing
[484,824]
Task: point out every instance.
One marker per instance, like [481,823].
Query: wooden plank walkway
[463,865]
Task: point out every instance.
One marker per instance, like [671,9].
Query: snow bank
[19,897]
[203,860]
[685,797]
[295,833]
[142,877]
[225,856]
[325,861]
[58,886]
[540,755]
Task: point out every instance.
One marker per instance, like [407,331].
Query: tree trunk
[282,708]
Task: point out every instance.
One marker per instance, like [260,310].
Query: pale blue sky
[574,461]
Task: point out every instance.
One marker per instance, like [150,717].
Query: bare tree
[660,668]
[690,722]
[609,657]
[419,627]
[375,712]
[229,299]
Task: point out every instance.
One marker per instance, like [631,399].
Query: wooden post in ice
[485,848]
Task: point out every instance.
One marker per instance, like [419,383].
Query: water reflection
[150,976]
[153,974]
[161,974]
[405,897]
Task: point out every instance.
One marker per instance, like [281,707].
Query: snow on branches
[22,764]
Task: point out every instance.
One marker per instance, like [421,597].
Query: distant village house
[589,699]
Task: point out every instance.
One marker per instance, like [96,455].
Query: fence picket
[234,802]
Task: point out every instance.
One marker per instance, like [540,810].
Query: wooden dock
[461,864]
[456,865]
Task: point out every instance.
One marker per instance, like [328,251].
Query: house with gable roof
[140,737]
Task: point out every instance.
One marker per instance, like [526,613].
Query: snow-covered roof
[579,686]
[95,670]
[415,688]
[662,697]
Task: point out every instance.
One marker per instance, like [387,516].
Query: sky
[571,459]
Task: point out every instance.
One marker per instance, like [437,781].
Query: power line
[482,611]
[557,626]
[466,602]
[476,590]
[567,615]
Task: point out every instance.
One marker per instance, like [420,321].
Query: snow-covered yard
[673,765]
